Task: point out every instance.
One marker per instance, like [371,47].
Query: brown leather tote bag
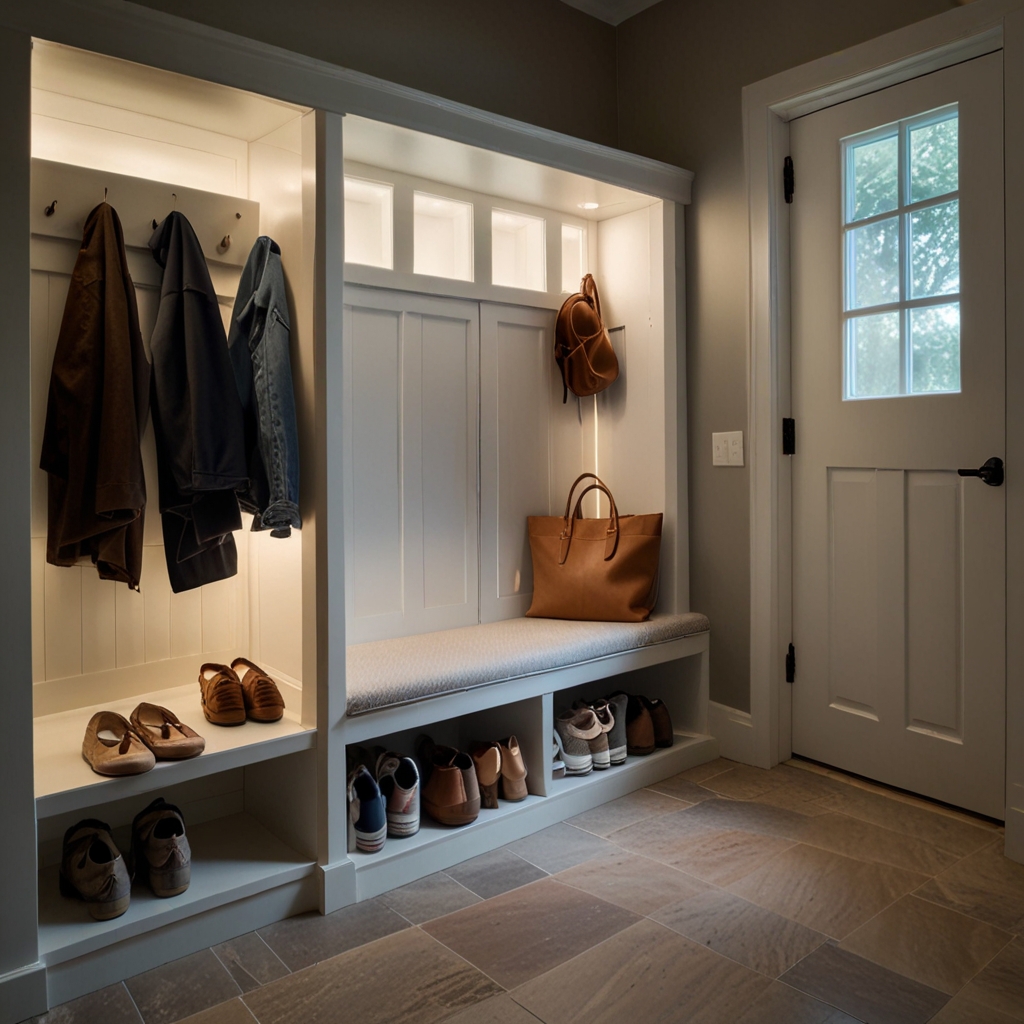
[583,349]
[603,570]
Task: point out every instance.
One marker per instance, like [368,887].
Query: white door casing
[899,564]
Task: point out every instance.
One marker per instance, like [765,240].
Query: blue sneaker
[366,811]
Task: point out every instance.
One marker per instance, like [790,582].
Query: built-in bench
[386,673]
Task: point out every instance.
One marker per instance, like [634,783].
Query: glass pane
[442,237]
[368,214]
[934,159]
[935,348]
[874,355]
[935,250]
[874,255]
[874,186]
[518,253]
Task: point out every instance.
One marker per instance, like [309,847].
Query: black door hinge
[787,178]
[788,436]
[791,665]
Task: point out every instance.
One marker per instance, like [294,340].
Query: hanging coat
[96,413]
[259,342]
[197,415]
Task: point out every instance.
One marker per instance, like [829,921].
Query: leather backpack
[583,349]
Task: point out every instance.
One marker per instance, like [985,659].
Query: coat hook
[51,209]
[155,225]
[174,196]
[104,195]
[225,243]
[238,216]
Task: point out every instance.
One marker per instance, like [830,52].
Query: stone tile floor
[725,894]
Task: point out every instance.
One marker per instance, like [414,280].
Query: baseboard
[734,730]
[22,994]
[337,885]
[1015,822]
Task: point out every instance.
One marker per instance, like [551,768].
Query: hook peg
[51,209]
[225,243]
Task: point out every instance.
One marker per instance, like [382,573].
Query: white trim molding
[768,107]
[734,731]
[132,32]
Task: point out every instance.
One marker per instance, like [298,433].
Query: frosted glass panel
[874,262]
[935,348]
[872,185]
[368,213]
[935,159]
[518,250]
[935,250]
[574,264]
[442,237]
[874,346]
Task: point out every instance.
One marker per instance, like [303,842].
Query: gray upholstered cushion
[406,669]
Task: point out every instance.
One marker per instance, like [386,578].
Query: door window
[901,258]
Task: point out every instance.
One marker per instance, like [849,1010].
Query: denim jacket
[259,345]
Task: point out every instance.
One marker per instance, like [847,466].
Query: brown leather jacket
[96,413]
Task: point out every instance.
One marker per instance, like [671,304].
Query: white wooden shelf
[435,847]
[65,782]
[232,858]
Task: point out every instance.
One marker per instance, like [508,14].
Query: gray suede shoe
[93,870]
[617,737]
[160,851]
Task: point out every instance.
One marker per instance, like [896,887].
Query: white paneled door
[898,383]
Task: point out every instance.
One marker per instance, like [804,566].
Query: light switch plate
[727,448]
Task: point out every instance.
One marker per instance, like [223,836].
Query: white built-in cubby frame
[420,531]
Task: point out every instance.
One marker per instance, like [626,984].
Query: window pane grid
[901,308]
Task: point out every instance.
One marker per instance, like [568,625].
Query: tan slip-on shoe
[93,870]
[452,794]
[487,761]
[221,691]
[263,700]
[160,850]
[111,748]
[513,771]
[160,730]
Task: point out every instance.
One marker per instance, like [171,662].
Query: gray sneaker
[617,737]
[599,745]
[575,729]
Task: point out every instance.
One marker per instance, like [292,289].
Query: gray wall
[681,66]
[535,60]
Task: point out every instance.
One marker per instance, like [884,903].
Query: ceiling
[611,11]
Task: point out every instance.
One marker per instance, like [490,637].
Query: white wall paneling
[411,428]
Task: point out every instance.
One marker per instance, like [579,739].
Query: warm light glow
[588,206]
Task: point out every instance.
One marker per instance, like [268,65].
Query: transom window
[901,258]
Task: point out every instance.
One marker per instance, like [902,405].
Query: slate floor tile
[1000,986]
[682,789]
[523,933]
[496,872]
[308,938]
[867,841]
[863,989]
[708,770]
[986,885]
[825,891]
[963,1008]
[948,833]
[501,1009]
[781,1004]
[926,942]
[645,973]
[743,782]
[715,855]
[559,847]
[181,988]
[250,961]
[111,1005]
[759,939]
[234,1012]
[632,882]
[749,816]
[627,810]
[430,897]
[404,978]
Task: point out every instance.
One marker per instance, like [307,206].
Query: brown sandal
[222,695]
[110,747]
[161,731]
[262,699]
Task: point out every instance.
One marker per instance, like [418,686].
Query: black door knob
[991,472]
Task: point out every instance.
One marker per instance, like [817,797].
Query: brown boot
[513,771]
[451,795]
[662,721]
[487,759]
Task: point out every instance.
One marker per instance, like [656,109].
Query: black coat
[96,413]
[197,415]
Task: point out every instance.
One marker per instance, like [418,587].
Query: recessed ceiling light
[588,206]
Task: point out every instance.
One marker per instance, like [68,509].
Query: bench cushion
[411,668]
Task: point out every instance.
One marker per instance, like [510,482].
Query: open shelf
[435,848]
[232,858]
[65,782]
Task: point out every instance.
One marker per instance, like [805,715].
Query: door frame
[765,736]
